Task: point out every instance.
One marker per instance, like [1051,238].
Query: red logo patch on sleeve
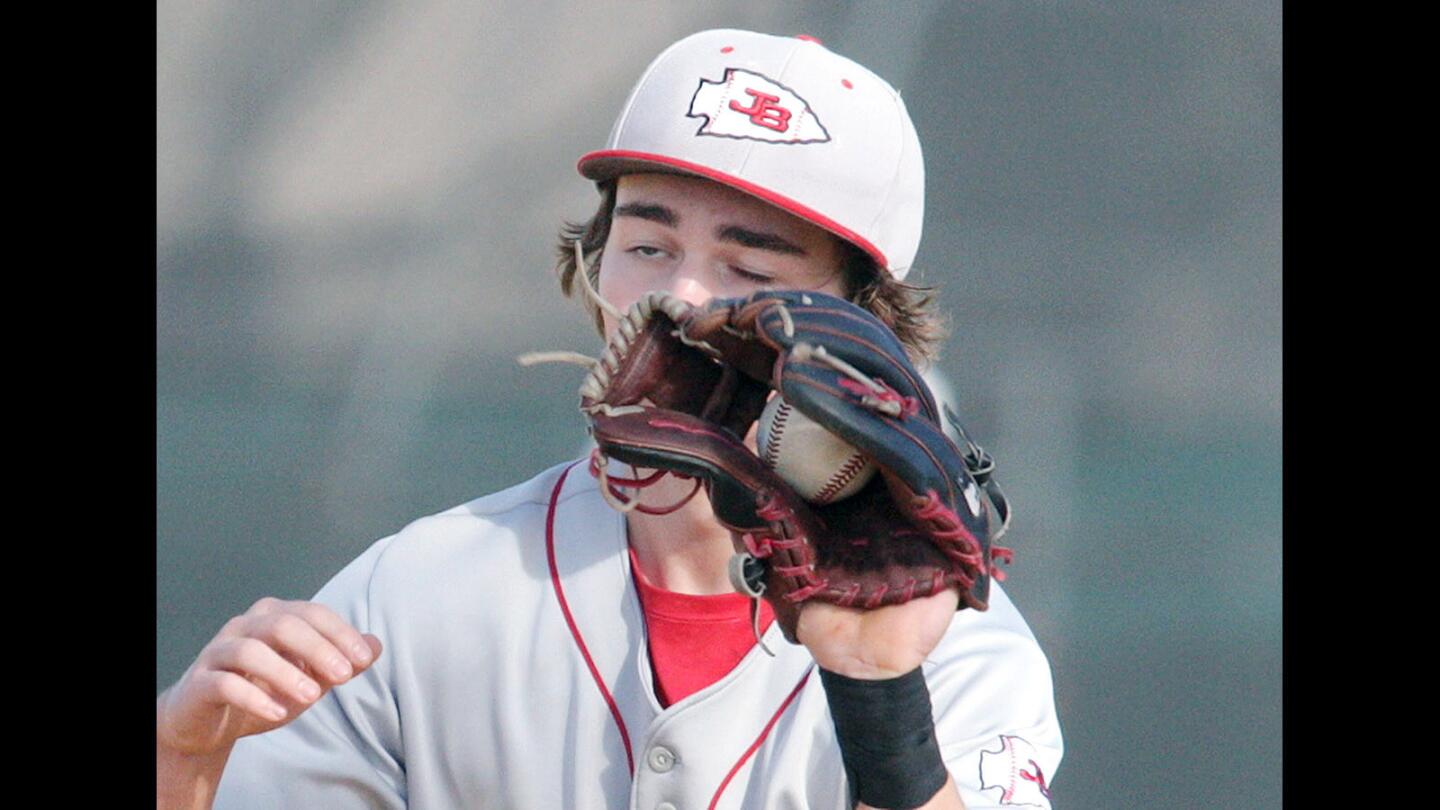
[748,105]
[1015,770]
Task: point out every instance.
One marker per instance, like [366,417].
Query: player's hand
[875,644]
[260,672]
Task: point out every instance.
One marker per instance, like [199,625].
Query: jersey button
[661,759]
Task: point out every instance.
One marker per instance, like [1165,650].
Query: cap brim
[608,164]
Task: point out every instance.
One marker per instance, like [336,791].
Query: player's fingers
[373,642]
[311,636]
[255,659]
[264,606]
[354,649]
[338,632]
[293,635]
[231,689]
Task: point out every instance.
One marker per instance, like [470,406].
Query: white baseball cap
[784,119]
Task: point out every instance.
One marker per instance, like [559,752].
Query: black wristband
[887,739]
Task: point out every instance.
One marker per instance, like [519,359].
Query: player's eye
[753,278]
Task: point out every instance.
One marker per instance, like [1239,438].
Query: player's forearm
[947,799]
[187,781]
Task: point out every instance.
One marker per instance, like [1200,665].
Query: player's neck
[685,551]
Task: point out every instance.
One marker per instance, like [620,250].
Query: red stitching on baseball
[841,478]
[772,440]
[916,441]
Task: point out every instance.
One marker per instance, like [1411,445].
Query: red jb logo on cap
[748,105]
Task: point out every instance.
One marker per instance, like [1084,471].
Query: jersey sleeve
[994,704]
[345,751]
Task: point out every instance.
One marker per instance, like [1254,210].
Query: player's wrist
[186,780]
[176,750]
[865,672]
[886,732]
[851,666]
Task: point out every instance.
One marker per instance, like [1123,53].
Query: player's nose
[688,284]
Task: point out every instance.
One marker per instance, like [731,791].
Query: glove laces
[610,487]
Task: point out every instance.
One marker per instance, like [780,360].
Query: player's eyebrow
[651,211]
[760,240]
[746,237]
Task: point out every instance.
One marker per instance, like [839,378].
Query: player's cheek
[609,323]
[616,286]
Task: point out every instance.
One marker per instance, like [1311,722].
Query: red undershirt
[694,640]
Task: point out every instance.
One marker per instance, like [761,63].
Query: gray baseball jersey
[515,675]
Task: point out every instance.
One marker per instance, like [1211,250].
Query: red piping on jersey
[755,746]
[570,620]
[805,212]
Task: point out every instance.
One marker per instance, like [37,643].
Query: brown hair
[908,309]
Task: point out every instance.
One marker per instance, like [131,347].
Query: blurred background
[356,209]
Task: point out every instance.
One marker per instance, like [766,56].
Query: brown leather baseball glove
[679,387]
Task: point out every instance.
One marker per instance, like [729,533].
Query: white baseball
[821,466]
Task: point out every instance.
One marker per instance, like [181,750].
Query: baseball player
[539,647]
